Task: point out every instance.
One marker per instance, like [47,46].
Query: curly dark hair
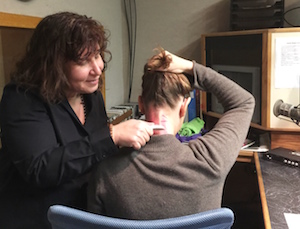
[58,38]
[161,88]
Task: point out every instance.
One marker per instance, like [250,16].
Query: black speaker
[256,14]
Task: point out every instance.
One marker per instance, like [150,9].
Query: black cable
[285,13]
[133,45]
[129,36]
[130,11]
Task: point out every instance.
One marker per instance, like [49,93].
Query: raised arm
[222,144]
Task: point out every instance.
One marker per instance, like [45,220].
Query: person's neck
[74,100]
[77,104]
[163,118]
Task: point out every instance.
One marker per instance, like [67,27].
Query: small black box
[285,156]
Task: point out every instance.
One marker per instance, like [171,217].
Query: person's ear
[141,105]
[184,106]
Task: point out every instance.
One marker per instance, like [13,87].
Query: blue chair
[62,217]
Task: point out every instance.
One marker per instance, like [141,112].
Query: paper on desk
[293,220]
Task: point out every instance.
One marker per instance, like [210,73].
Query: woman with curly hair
[54,123]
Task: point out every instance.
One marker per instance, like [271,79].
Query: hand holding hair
[178,64]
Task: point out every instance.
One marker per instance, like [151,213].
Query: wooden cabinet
[276,53]
[15,32]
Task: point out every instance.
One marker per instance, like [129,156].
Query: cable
[285,13]
[131,19]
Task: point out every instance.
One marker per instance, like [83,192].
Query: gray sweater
[168,179]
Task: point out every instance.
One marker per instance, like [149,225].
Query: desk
[279,187]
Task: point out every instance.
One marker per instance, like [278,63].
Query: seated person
[165,178]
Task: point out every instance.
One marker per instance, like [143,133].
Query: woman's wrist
[188,67]
[111,131]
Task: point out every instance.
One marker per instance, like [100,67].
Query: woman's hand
[132,133]
[179,65]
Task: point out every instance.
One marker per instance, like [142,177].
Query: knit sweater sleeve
[221,145]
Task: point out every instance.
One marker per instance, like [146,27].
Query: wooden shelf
[122,117]
[254,48]
[251,48]
[18,21]
[245,156]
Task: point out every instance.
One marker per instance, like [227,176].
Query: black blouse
[47,154]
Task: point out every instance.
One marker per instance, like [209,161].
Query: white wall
[176,25]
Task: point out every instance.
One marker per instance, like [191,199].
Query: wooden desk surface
[279,186]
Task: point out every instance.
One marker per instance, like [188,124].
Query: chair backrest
[62,217]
